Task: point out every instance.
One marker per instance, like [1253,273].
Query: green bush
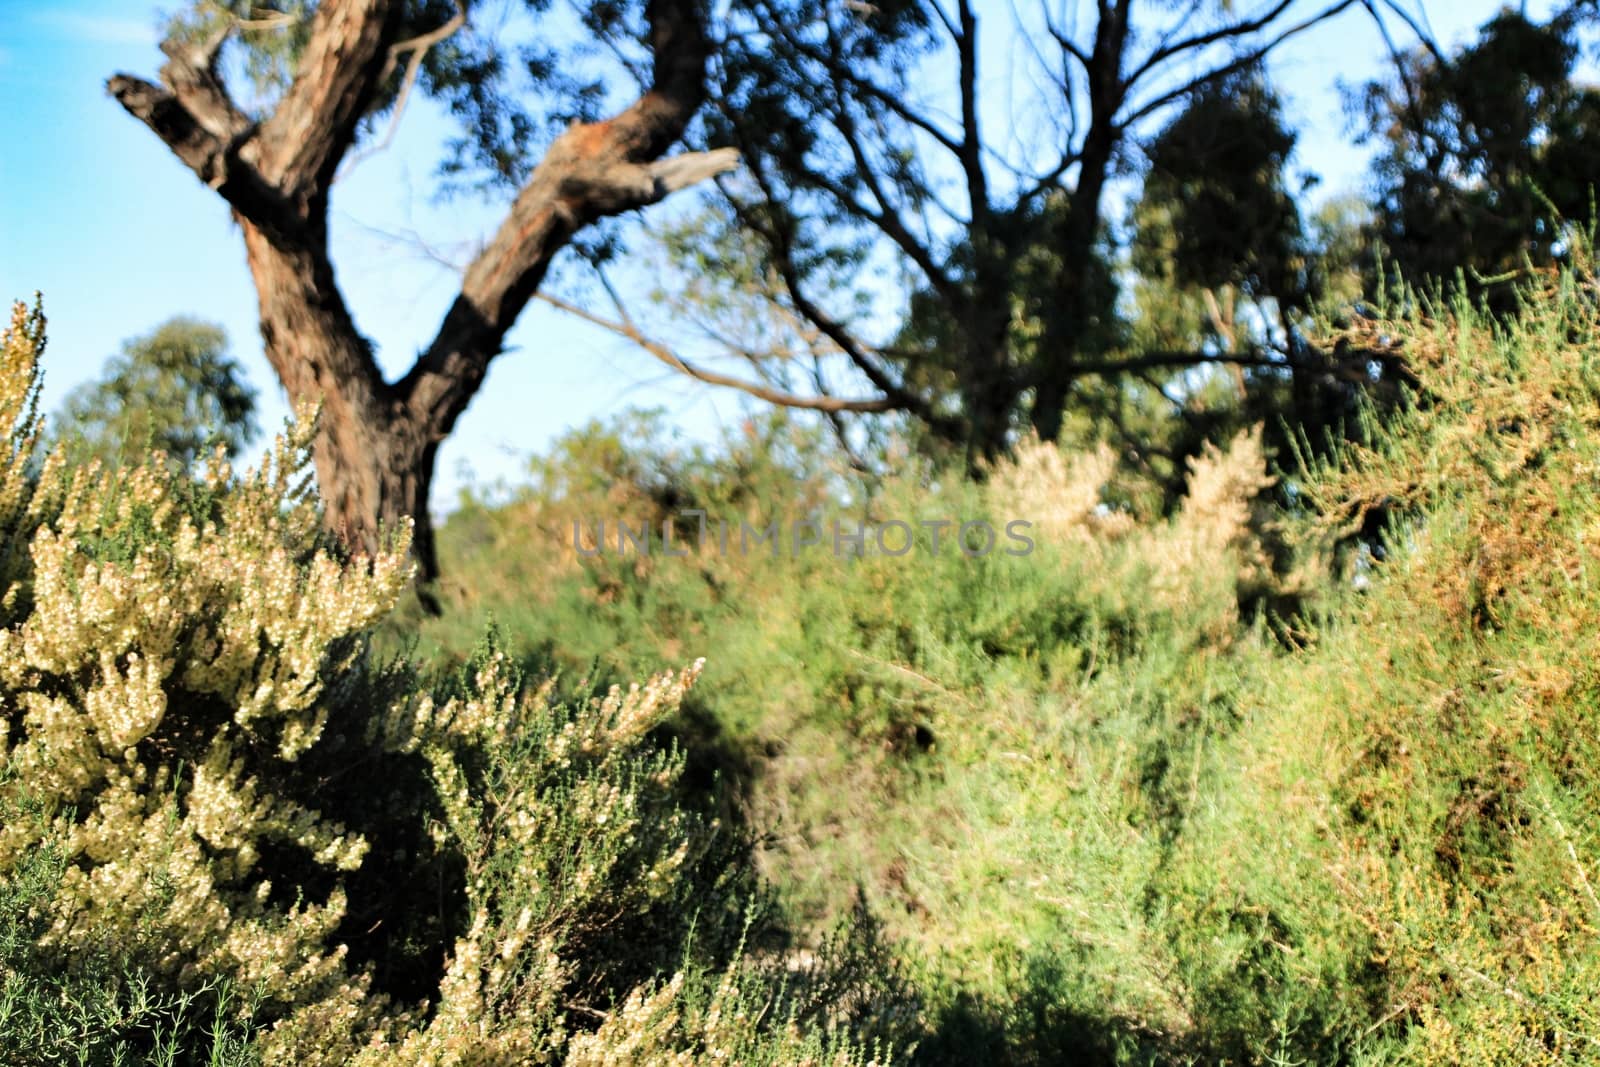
[1162,791]
[1173,788]
[922,728]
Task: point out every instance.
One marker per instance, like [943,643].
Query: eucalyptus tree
[326,75]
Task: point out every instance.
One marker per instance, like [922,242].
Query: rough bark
[377,440]
[368,445]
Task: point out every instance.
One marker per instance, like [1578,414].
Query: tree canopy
[968,221]
[1484,155]
[175,389]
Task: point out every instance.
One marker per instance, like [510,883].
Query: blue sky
[96,213]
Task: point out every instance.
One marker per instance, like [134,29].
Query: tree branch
[214,160]
[1243,62]
[315,123]
[779,243]
[592,170]
[190,73]
[626,328]
[904,111]
[971,153]
[418,48]
[1257,357]
[1242,28]
[1423,36]
[887,218]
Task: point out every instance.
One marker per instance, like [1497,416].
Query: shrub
[1117,805]
[997,750]
[233,832]
[1460,811]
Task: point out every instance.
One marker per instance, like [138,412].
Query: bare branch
[624,327]
[944,18]
[885,218]
[674,173]
[276,20]
[1189,15]
[904,111]
[780,244]
[1242,62]
[1422,34]
[1068,47]
[971,153]
[1351,368]
[1242,28]
[193,115]
[199,149]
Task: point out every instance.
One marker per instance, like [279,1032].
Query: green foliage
[174,390]
[882,714]
[1145,794]
[104,1008]
[1218,176]
[1486,154]
[1461,809]
[930,350]
[1148,795]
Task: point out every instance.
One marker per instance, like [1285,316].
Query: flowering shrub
[214,798]
[162,668]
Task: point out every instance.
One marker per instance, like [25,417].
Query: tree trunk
[989,384]
[1063,335]
[374,458]
[377,441]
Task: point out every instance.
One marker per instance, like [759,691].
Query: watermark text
[674,537]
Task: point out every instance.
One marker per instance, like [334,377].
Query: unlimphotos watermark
[975,538]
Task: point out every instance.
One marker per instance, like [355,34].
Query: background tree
[1224,260]
[327,73]
[873,147]
[875,173]
[175,389]
[1486,153]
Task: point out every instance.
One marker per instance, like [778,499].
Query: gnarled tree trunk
[377,439]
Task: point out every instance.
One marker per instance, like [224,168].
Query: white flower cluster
[1217,520]
[162,646]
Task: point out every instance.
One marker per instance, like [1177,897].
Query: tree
[870,139]
[1223,262]
[175,389]
[1485,154]
[329,71]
